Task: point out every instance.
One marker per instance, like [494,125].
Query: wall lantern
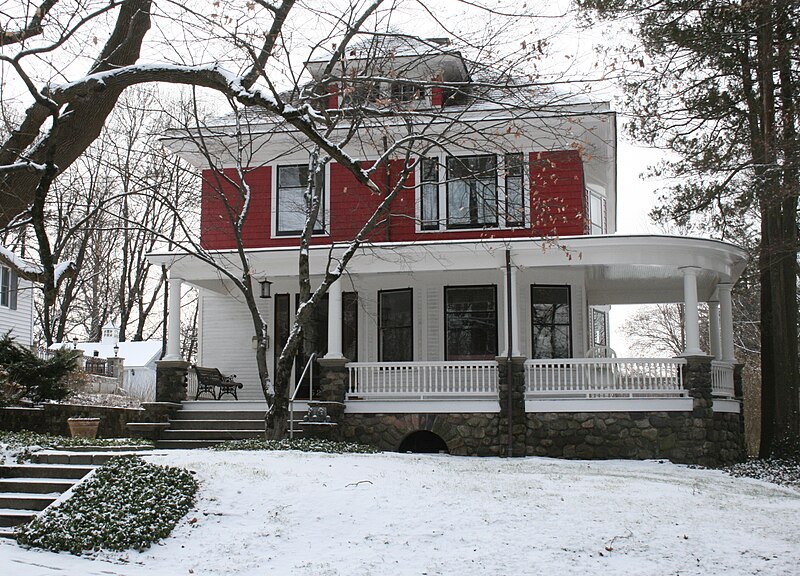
[74,342]
[265,288]
[116,350]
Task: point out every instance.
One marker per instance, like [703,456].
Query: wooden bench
[211,381]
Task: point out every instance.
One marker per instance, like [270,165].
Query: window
[515,196]
[599,327]
[470,322]
[429,194]
[471,191]
[402,92]
[551,322]
[8,288]
[395,326]
[597,213]
[292,186]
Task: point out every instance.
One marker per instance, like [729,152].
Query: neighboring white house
[139,359]
[16,306]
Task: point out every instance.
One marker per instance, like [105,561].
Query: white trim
[609,405]
[727,406]
[444,406]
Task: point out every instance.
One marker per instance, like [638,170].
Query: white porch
[598,270]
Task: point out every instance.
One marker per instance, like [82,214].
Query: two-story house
[500,250]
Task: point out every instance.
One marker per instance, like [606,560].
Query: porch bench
[211,381]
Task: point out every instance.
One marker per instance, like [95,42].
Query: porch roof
[618,269]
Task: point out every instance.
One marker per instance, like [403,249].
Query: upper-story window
[291,207]
[8,288]
[597,213]
[472,191]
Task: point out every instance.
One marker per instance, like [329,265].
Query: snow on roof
[136,354]
[19,262]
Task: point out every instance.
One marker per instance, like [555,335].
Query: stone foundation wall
[676,436]
[465,434]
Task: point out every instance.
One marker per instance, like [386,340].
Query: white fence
[722,379]
[604,377]
[421,380]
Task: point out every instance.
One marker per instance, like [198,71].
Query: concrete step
[219,415]
[44,471]
[78,458]
[7,533]
[25,501]
[186,444]
[36,485]
[217,425]
[210,434]
[10,517]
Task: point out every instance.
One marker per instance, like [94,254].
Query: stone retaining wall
[52,419]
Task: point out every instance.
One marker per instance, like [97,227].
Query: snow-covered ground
[290,513]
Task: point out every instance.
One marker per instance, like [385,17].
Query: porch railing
[604,377]
[722,379]
[422,380]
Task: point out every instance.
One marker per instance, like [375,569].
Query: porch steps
[27,489]
[204,424]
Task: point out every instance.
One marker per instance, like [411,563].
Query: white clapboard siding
[227,332]
[19,322]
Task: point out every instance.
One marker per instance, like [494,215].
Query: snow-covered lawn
[290,513]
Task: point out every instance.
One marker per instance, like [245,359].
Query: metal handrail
[310,369]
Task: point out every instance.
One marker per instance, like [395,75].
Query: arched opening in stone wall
[423,442]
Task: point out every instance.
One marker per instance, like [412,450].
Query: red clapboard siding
[217,222]
[558,197]
[557,200]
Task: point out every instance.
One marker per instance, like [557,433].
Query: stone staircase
[27,489]
[201,424]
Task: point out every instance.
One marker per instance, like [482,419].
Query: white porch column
[713,330]
[174,320]
[726,322]
[515,313]
[690,316]
[335,320]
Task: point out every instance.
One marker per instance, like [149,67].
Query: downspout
[509,348]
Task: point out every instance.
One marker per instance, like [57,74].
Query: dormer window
[404,92]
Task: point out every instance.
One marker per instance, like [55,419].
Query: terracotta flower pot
[83,427]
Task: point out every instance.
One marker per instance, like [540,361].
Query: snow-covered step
[26,501]
[44,471]
[217,425]
[36,485]
[209,435]
[10,517]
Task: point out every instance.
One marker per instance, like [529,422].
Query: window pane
[551,323]
[471,322]
[291,205]
[395,326]
[472,191]
[5,281]
[429,195]
[515,201]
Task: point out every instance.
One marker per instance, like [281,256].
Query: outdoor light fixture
[265,288]
[74,342]
[116,350]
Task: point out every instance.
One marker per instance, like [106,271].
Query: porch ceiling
[617,269]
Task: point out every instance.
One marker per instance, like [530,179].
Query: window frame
[500,209]
[323,218]
[409,327]
[9,288]
[493,355]
[473,196]
[602,227]
[569,324]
